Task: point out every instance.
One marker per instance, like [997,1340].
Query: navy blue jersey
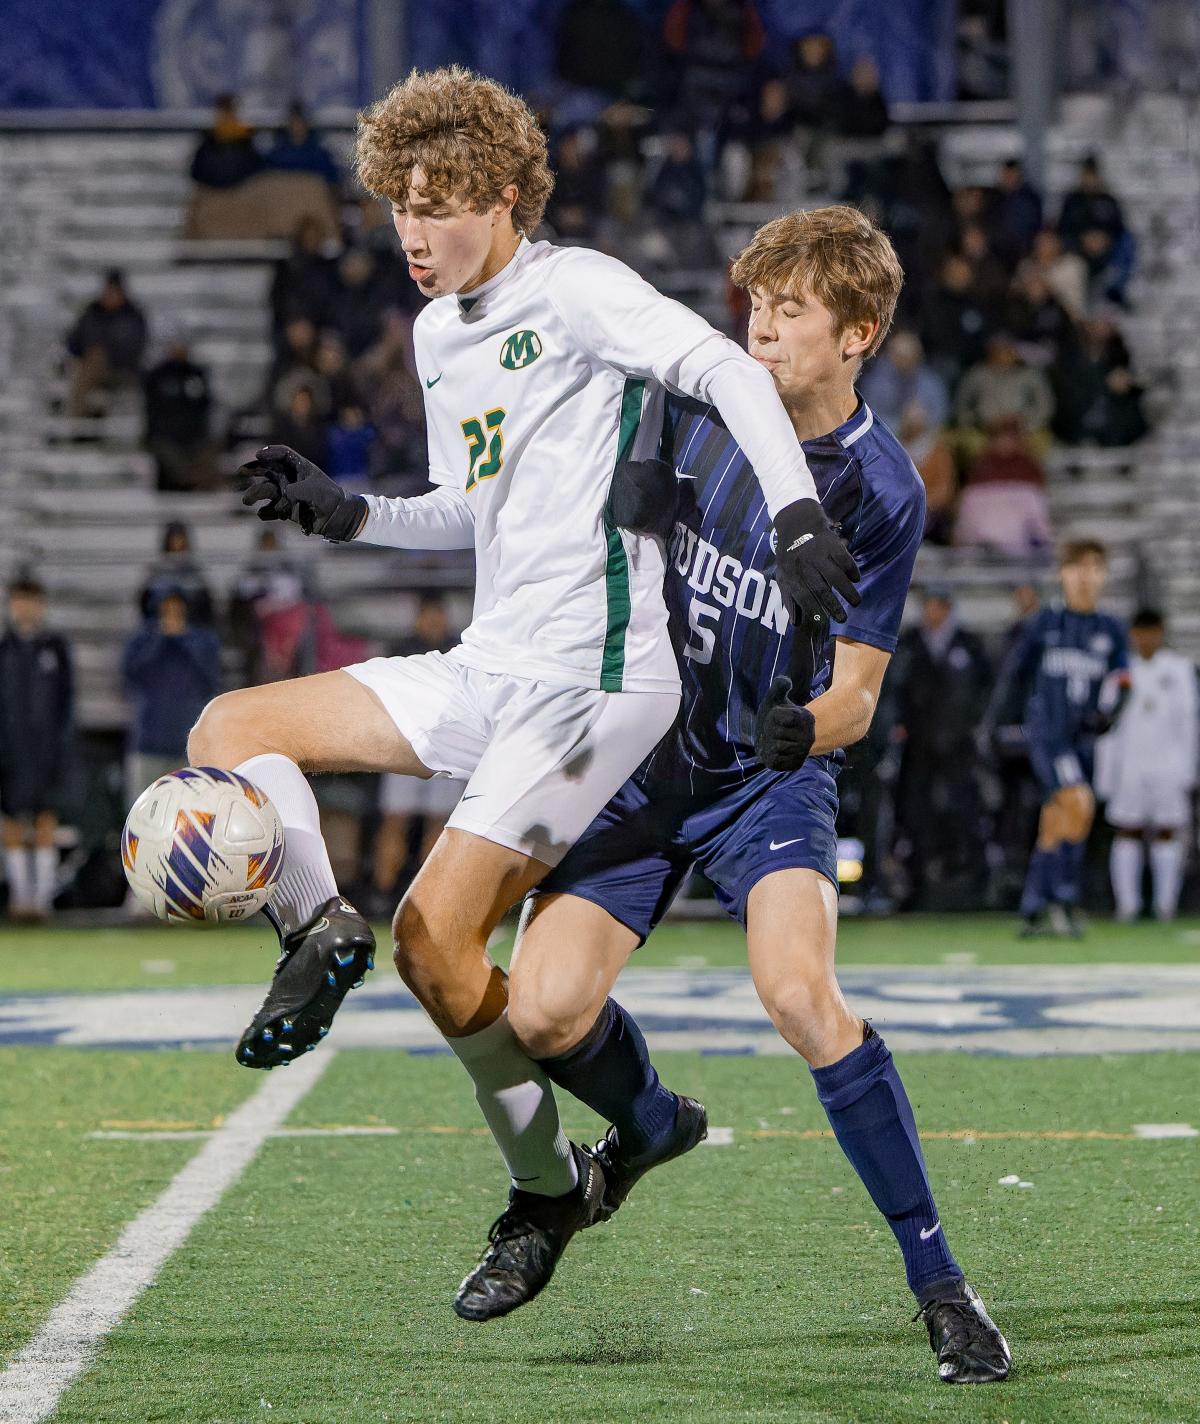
[729,624]
[1056,670]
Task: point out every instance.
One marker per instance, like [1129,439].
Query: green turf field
[752,1281]
[153,955]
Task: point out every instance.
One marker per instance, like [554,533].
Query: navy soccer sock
[872,1120]
[610,1071]
[1039,880]
[1068,871]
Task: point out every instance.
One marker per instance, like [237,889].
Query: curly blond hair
[469,136]
[838,254]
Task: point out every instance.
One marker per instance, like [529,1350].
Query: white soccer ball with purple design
[202,845]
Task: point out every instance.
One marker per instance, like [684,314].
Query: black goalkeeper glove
[295,489]
[812,564]
[784,731]
[643,498]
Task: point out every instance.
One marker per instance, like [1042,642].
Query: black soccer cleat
[319,964]
[622,1172]
[1066,922]
[963,1336]
[526,1241]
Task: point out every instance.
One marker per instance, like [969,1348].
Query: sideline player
[535,361]
[1146,771]
[745,784]
[1055,672]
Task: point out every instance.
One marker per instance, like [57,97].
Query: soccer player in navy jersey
[1056,672]
[745,784]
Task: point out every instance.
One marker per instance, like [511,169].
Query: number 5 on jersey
[479,444]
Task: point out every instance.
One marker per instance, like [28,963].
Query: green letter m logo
[520,349]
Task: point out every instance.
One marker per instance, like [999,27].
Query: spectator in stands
[170,669]
[108,342]
[1092,224]
[900,377]
[989,277]
[1003,505]
[395,402]
[577,204]
[305,282]
[299,149]
[1038,320]
[1098,398]
[811,96]
[1014,215]
[712,48]
[226,155]
[351,440]
[942,682]
[956,323]
[930,452]
[1002,388]
[403,798]
[178,408]
[864,110]
[272,579]
[36,713]
[295,365]
[302,427]
[358,300]
[333,367]
[177,570]
[675,191]
[1065,273]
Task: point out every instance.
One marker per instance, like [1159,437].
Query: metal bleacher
[78,202]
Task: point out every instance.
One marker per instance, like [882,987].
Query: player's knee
[806,1009]
[545,1026]
[214,740]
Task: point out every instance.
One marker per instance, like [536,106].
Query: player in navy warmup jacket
[1056,672]
[744,785]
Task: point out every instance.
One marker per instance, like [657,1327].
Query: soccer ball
[202,844]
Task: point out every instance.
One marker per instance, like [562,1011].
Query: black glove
[296,489]
[784,731]
[643,497]
[812,564]
[1096,724]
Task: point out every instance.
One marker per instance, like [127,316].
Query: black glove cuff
[344,523]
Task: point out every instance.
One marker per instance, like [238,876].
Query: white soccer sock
[45,873]
[1125,861]
[306,881]
[517,1100]
[1166,869]
[18,870]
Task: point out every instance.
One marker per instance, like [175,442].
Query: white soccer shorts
[539,760]
[1143,799]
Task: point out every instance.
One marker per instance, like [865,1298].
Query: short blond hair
[469,136]
[838,254]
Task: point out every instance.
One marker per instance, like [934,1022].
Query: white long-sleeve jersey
[1158,734]
[536,383]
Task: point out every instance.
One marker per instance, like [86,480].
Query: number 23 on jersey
[485,445]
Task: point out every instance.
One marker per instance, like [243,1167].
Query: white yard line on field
[39,1375]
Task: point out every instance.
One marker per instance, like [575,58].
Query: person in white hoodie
[1146,769]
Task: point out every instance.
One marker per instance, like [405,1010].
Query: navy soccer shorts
[1057,767]
[635,855]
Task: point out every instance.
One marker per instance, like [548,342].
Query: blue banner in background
[911,41]
[172,54]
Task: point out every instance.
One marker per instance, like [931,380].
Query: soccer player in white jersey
[535,362]
[1146,771]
